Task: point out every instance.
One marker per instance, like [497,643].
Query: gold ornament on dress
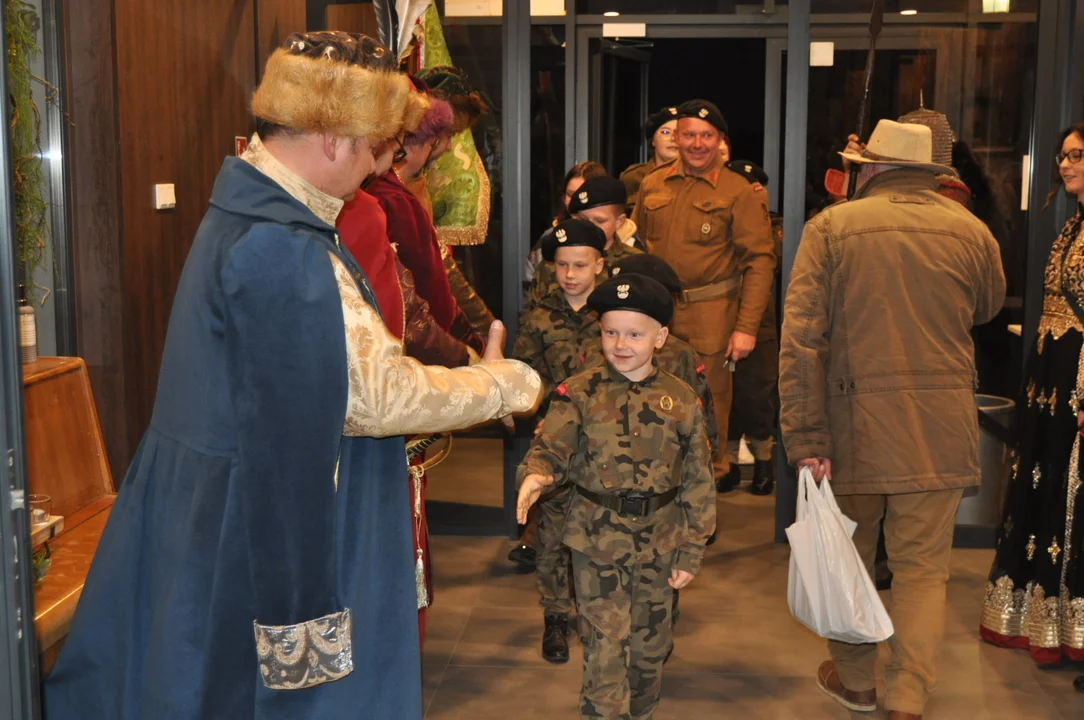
[1054,551]
[1031,393]
[1053,401]
[1031,548]
[1036,476]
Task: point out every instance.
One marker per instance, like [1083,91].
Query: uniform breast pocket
[709,220]
[656,205]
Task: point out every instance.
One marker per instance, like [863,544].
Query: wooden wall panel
[354,18]
[276,20]
[93,163]
[185,73]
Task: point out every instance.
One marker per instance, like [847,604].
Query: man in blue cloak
[258,561]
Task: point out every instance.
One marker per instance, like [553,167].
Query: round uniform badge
[705,228]
[667,403]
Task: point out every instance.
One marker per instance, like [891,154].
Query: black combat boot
[555,639]
[731,480]
[763,477]
[524,557]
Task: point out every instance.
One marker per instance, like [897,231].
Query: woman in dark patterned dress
[1035,597]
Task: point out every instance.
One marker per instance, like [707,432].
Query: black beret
[703,110]
[572,233]
[750,171]
[657,120]
[651,266]
[597,192]
[637,293]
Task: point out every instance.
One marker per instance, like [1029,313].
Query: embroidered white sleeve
[392,394]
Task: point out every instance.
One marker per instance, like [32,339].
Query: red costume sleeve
[410,228]
[362,227]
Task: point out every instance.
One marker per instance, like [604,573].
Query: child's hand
[529,492]
[678,578]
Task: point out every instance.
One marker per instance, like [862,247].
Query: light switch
[164,197]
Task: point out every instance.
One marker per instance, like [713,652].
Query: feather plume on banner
[458,182]
[387,23]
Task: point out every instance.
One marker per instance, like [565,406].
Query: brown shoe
[859,701]
[900,715]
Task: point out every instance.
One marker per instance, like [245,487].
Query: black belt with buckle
[631,505]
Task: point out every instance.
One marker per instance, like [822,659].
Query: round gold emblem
[667,402]
[705,228]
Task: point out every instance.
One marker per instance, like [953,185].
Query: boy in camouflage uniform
[602,201]
[630,439]
[553,339]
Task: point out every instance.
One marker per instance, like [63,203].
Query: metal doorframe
[18,641]
[578,105]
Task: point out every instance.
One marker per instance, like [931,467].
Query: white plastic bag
[829,590]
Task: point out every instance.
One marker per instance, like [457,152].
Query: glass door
[618,102]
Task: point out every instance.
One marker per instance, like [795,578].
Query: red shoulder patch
[700,369]
[757,187]
[562,389]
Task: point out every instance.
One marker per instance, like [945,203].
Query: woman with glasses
[661,131]
[1035,594]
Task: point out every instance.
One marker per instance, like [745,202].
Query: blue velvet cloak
[229,513]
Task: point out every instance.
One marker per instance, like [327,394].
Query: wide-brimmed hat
[902,145]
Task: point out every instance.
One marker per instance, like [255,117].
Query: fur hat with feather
[340,84]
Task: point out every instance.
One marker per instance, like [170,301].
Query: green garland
[31,226]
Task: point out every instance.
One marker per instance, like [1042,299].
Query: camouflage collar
[618,378]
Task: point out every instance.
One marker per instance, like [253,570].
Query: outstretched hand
[529,492]
[495,351]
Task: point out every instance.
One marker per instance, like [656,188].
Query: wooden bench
[65,460]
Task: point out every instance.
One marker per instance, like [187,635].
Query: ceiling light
[908,12]
[612,13]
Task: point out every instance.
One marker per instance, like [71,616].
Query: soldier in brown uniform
[661,130]
[630,439]
[554,339]
[755,400]
[713,227]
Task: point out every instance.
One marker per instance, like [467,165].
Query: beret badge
[623,292]
[562,236]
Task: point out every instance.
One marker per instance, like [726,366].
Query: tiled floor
[738,653]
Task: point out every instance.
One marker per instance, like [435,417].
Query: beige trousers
[918,537]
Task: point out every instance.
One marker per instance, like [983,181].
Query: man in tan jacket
[712,226]
[877,378]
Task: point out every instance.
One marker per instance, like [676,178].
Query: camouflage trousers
[625,625]
[552,559]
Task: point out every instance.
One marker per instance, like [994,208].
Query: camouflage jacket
[545,278]
[610,435]
[554,340]
[678,358]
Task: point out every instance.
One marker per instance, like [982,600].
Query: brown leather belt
[713,291]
